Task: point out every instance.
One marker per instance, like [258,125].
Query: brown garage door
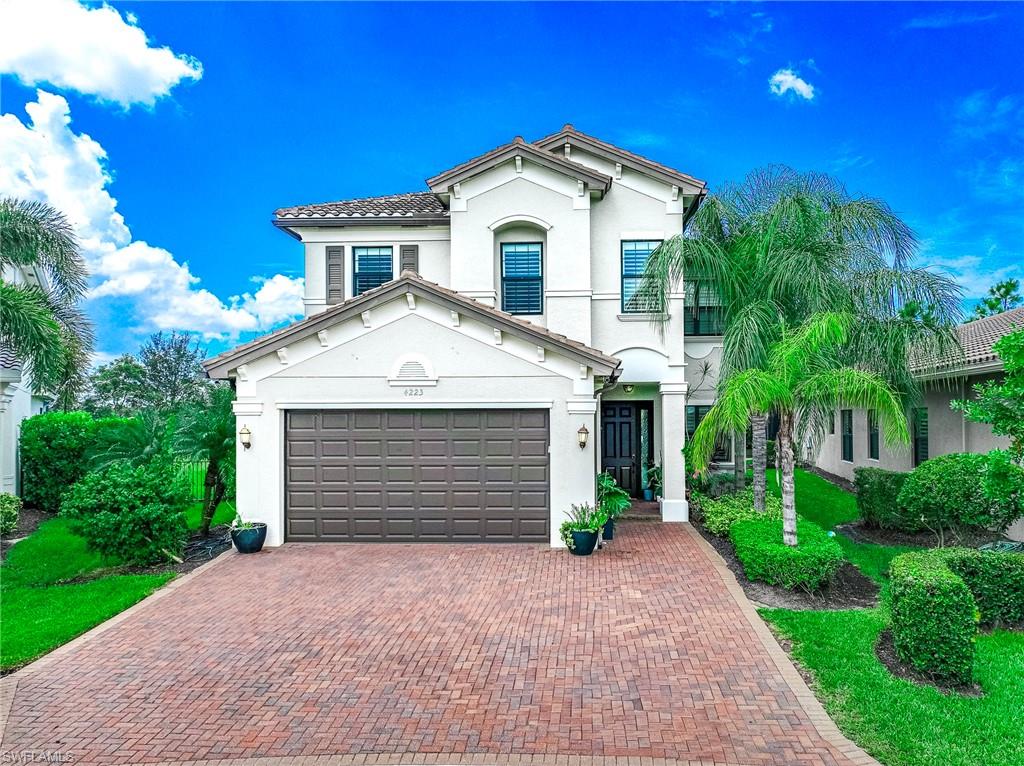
[417,476]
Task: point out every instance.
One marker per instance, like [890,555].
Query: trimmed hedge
[877,490]
[808,566]
[721,513]
[53,456]
[996,580]
[934,618]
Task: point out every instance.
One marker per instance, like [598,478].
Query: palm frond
[36,234]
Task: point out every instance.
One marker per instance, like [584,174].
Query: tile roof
[8,361]
[978,337]
[411,205]
[267,343]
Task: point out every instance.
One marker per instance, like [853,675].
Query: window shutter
[409,258]
[335,274]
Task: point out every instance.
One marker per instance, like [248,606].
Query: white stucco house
[472,354]
[19,398]
[936,428]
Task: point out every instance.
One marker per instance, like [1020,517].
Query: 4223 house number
[414,392]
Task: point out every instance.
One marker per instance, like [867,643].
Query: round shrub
[135,514]
[765,558]
[945,493]
[54,446]
[722,512]
[877,490]
[10,509]
[1003,487]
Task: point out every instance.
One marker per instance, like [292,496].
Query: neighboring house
[935,428]
[473,354]
[18,397]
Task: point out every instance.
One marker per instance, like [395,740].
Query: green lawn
[41,610]
[224,514]
[898,722]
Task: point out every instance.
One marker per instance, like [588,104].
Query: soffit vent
[412,370]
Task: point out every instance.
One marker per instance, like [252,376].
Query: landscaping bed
[860,532]
[885,650]
[29,520]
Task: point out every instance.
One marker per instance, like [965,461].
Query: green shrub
[53,456]
[1003,487]
[10,508]
[996,580]
[877,491]
[934,617]
[136,514]
[807,566]
[714,484]
[722,512]
[945,494]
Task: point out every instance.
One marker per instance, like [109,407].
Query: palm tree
[783,246]
[136,440]
[207,433]
[43,327]
[803,379]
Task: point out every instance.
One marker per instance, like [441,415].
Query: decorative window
[522,280]
[723,445]
[846,418]
[873,434]
[372,267]
[920,424]
[413,370]
[635,253]
[704,313]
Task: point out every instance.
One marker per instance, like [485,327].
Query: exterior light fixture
[582,435]
[245,437]
[628,388]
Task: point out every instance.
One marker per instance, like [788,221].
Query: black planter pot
[608,530]
[583,543]
[251,539]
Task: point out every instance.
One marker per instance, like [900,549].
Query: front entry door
[620,444]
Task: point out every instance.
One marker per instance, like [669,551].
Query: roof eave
[443,181]
[288,225]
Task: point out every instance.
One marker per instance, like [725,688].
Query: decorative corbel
[567,149]
[497,337]
[455,319]
[583,372]
[282,355]
[675,193]
[618,171]
[242,372]
[519,164]
[540,353]
[457,191]
[580,188]
[322,335]
[365,316]
[411,300]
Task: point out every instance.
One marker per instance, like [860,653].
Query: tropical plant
[207,433]
[803,380]
[42,326]
[784,246]
[612,499]
[1001,403]
[136,441]
[10,510]
[582,518]
[1002,296]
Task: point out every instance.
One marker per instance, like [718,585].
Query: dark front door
[620,444]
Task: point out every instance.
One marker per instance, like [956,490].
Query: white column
[673,437]
[251,465]
[572,476]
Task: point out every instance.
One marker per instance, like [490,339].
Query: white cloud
[974,273]
[787,81]
[46,160]
[948,19]
[92,50]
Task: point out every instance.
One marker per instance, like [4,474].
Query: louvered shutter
[409,258]
[335,274]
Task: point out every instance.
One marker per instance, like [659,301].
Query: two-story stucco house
[473,354]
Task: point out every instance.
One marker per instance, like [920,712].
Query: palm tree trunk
[787,464]
[740,460]
[211,499]
[759,422]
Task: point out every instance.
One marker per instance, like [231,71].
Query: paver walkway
[641,650]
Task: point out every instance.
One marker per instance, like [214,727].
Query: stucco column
[250,499]
[573,479]
[673,437]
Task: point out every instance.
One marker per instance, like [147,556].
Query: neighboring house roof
[978,337]
[414,204]
[10,365]
[517,147]
[408,282]
[569,135]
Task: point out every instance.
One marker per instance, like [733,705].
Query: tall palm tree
[207,432]
[43,327]
[783,246]
[804,376]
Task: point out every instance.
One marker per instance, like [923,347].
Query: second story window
[704,313]
[635,253]
[522,280]
[372,267]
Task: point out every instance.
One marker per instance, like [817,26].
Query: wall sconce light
[628,388]
[245,437]
[582,435]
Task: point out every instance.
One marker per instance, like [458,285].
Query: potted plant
[580,532]
[248,536]
[612,500]
[653,489]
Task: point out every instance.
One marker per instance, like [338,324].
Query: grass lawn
[41,610]
[898,722]
[224,514]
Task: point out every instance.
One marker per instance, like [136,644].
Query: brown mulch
[198,551]
[28,520]
[849,589]
[859,533]
[885,650]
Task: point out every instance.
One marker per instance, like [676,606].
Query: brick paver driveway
[640,650]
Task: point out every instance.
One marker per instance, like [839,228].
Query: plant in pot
[580,532]
[653,489]
[612,500]
[248,536]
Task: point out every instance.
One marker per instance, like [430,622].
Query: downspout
[611,382]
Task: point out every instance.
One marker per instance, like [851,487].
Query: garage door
[417,476]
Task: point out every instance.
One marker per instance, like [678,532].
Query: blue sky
[261,105]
